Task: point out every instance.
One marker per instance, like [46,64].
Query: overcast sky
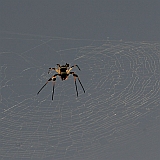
[137,20]
[100,124]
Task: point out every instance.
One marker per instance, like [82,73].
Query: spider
[63,71]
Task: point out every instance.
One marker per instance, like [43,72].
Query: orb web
[121,102]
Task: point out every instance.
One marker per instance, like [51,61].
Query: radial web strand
[122,99]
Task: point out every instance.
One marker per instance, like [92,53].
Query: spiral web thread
[122,99]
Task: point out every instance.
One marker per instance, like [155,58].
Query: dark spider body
[64,76]
[63,71]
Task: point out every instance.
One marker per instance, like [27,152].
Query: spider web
[121,102]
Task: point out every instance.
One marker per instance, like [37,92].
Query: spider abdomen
[64,76]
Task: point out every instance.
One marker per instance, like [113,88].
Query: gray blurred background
[116,44]
[126,19]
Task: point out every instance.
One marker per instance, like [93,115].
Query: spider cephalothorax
[63,71]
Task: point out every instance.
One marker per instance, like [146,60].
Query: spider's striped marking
[63,71]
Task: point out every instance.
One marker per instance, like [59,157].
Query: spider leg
[76,86]
[67,65]
[72,68]
[53,78]
[59,65]
[75,66]
[57,70]
[53,88]
[44,85]
[79,81]
[51,69]
[75,77]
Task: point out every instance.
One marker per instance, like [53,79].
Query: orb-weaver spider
[63,71]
